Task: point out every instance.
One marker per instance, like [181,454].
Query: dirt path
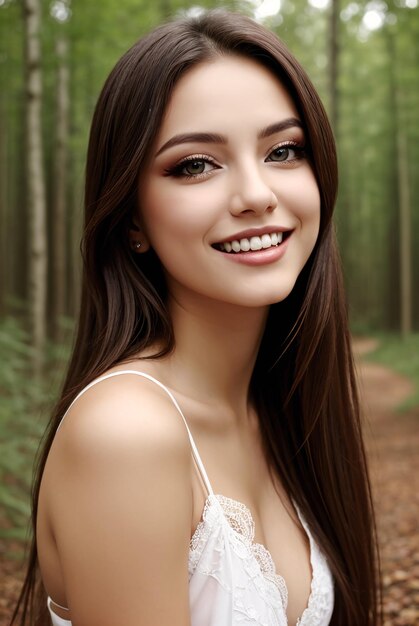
[393,444]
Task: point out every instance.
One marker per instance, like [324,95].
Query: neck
[216,349]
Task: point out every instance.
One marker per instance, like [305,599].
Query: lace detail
[223,549]
[321,600]
[200,536]
[241,521]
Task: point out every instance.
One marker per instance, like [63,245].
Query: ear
[138,240]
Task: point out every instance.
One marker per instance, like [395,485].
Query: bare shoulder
[120,503]
[122,430]
[122,412]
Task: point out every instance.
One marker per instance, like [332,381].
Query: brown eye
[280,154]
[286,154]
[192,168]
[196,167]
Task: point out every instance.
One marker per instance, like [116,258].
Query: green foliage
[24,408]
[401,355]
[378,93]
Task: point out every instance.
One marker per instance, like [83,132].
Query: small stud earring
[138,245]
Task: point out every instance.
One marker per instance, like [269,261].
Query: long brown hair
[303,384]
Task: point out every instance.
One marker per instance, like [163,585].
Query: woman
[212,320]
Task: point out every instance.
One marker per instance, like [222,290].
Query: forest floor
[393,448]
[393,444]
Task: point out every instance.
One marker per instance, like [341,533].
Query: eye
[193,167]
[286,153]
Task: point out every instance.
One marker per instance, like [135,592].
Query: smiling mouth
[252,244]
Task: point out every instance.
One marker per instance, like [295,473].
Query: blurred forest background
[363,57]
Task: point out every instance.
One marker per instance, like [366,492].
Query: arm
[122,505]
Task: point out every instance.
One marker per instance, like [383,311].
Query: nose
[251,193]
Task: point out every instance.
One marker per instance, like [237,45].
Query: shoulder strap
[195,452]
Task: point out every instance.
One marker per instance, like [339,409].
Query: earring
[138,245]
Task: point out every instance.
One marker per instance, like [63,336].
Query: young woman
[205,464]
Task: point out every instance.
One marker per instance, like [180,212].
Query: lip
[259,257]
[254,232]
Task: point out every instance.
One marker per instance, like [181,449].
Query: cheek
[182,212]
[305,200]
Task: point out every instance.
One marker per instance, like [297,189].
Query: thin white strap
[195,452]
[51,601]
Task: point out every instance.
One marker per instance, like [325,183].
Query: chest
[232,579]
[238,471]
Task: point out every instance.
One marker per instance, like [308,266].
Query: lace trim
[240,521]
[321,599]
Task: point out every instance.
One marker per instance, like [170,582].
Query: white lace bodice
[232,579]
[230,572]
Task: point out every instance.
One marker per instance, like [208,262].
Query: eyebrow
[291,122]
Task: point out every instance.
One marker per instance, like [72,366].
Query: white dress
[232,580]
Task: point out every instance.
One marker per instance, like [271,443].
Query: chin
[264,298]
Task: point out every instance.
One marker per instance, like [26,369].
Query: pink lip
[259,257]
[255,232]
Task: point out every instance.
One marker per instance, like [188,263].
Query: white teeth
[266,241]
[244,245]
[254,243]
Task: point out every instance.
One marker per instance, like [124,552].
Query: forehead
[225,93]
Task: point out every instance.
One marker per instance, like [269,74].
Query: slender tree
[334,63]
[404,195]
[60,195]
[37,238]
[405,235]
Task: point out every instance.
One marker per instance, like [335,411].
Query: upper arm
[122,507]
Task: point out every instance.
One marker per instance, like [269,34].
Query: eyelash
[298,148]
[177,170]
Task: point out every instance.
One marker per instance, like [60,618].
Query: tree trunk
[403,190]
[37,239]
[405,235]
[59,206]
[334,63]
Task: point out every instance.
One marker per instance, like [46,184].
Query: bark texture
[334,63]
[405,236]
[37,240]
[59,208]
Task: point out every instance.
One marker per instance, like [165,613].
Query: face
[229,202]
